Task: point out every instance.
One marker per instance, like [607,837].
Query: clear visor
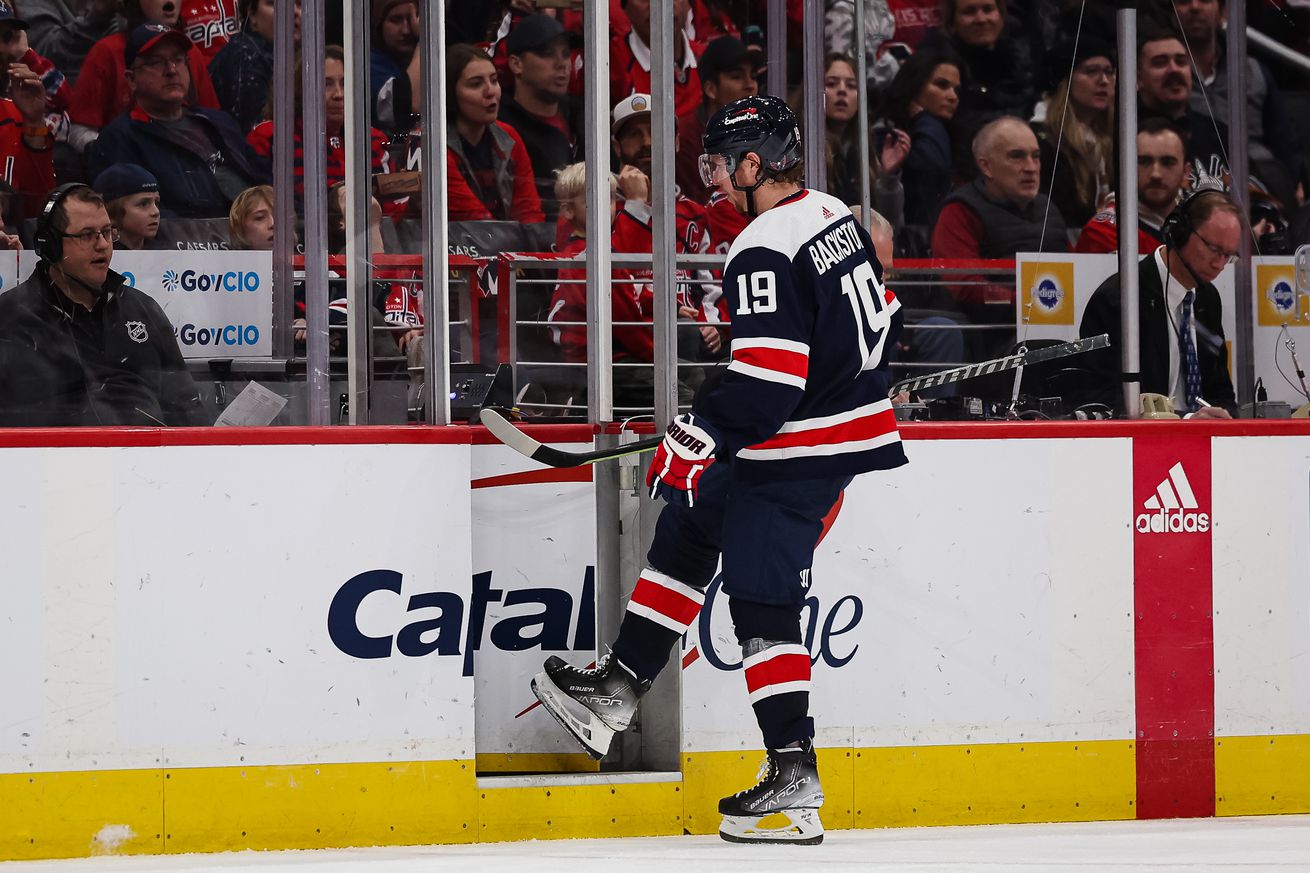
[715,168]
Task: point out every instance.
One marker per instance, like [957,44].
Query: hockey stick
[525,445]
[1000,365]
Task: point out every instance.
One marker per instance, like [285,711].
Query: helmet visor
[715,168]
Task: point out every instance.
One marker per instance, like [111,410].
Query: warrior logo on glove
[686,453]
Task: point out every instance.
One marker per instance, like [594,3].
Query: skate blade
[805,829]
[593,736]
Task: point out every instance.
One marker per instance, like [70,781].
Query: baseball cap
[725,53]
[146,36]
[124,180]
[534,32]
[633,104]
[7,14]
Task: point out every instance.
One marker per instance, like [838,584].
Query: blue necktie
[1191,366]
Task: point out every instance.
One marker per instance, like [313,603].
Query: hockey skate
[789,784]
[591,704]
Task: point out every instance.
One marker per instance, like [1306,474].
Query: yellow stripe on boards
[312,806]
[75,814]
[995,783]
[561,812]
[1262,775]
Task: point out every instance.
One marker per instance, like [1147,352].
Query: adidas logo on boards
[1173,509]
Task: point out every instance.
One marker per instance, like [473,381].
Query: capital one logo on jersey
[1173,508]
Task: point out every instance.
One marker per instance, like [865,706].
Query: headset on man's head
[49,240]
[1179,225]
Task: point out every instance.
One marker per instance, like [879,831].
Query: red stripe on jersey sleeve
[792,363]
[667,602]
[864,428]
[778,670]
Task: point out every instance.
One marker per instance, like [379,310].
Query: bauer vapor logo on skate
[1173,508]
[375,615]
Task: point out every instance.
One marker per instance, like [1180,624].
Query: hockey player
[751,472]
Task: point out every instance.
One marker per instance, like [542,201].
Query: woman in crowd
[489,173]
[1075,129]
[334,120]
[923,100]
[841,108]
[1000,64]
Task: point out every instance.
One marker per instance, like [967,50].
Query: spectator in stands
[999,214]
[242,70]
[1164,87]
[922,100]
[841,148]
[914,20]
[728,70]
[26,144]
[630,58]
[699,297]
[14,49]
[1274,144]
[1000,80]
[103,94]
[394,44]
[78,345]
[131,197]
[65,36]
[334,120]
[198,155]
[250,221]
[1161,174]
[489,172]
[1183,352]
[1075,129]
[539,109]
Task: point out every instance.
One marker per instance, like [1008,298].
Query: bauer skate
[591,704]
[789,784]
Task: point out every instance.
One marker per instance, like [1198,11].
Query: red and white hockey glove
[686,453]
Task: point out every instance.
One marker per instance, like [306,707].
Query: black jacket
[116,364]
[548,148]
[1102,316]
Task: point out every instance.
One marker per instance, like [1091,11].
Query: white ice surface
[1270,843]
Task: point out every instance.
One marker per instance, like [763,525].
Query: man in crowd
[630,57]
[1164,89]
[540,108]
[199,156]
[998,215]
[727,68]
[1274,143]
[1183,352]
[1161,173]
[78,346]
[26,142]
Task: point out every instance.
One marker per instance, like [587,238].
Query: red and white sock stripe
[665,601]
[779,669]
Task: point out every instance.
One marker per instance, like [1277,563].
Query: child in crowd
[132,199]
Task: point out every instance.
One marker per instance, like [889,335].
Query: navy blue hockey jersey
[805,395]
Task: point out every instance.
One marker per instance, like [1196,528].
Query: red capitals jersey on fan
[633,232]
[630,72]
[210,24]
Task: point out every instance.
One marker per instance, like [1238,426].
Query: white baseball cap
[633,104]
